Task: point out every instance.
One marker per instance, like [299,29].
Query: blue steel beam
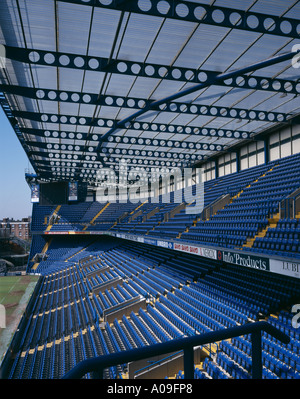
[161,155]
[108,123]
[221,77]
[157,71]
[140,103]
[59,164]
[204,132]
[162,144]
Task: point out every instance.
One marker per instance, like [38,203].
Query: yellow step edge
[45,249]
[131,213]
[54,213]
[250,241]
[96,217]
[76,253]
[56,342]
[272,224]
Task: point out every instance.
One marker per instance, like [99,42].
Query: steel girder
[46,161]
[205,132]
[203,13]
[111,123]
[132,68]
[140,103]
[213,81]
[163,144]
[187,11]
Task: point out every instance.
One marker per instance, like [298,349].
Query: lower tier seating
[65,321]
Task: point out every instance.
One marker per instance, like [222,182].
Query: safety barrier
[97,365]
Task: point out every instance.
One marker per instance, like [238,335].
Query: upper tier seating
[255,195]
[282,240]
[250,212]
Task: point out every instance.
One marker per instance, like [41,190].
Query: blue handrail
[98,364]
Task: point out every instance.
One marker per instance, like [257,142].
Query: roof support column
[238,160]
[216,169]
[267,150]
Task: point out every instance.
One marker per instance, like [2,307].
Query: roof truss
[72,133]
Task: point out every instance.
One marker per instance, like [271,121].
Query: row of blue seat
[63,307]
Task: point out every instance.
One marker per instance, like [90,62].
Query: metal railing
[290,206]
[215,206]
[98,364]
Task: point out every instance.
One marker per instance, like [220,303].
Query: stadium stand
[217,248]
[67,319]
[151,294]
[222,228]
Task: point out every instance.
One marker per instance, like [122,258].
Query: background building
[17,228]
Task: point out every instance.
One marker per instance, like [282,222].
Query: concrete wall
[169,367]
[124,310]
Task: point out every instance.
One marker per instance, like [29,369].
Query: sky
[15,199]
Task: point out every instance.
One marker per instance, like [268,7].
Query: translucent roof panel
[80,80]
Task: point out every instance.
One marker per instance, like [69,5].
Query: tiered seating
[134,217]
[229,233]
[261,293]
[233,359]
[39,213]
[289,364]
[172,227]
[231,184]
[282,240]
[211,371]
[65,323]
[59,250]
[63,315]
[65,248]
[110,215]
[183,294]
[146,226]
[93,209]
[37,244]
[249,212]
[278,361]
[255,196]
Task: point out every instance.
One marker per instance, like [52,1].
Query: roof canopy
[87,83]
